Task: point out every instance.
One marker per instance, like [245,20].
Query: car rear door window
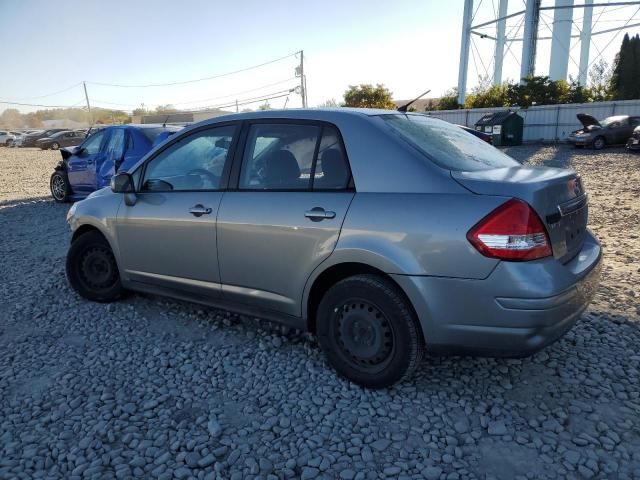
[115,146]
[279,156]
[332,169]
[193,163]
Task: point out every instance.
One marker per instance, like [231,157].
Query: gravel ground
[153,388]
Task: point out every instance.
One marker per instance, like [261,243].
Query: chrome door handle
[199,210]
[317,214]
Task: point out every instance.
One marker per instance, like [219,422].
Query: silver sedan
[384,233]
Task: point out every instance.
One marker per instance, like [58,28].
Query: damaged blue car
[90,165]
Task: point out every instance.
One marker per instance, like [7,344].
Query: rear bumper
[517,310]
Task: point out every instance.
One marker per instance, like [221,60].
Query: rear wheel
[59,186]
[92,269]
[55,146]
[599,143]
[368,331]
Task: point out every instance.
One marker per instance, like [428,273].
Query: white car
[6,137]
[17,141]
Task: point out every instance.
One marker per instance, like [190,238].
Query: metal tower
[527,32]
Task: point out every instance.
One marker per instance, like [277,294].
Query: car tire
[92,269]
[55,146]
[599,143]
[369,331]
[59,186]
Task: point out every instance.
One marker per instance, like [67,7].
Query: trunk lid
[587,120]
[555,194]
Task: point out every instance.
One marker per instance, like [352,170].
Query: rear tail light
[513,231]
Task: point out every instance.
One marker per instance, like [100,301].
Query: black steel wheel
[369,332]
[92,269]
[364,334]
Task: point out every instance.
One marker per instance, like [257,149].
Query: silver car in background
[386,234]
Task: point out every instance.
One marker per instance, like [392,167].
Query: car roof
[303,114]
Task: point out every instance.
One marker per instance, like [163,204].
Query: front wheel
[368,331]
[598,143]
[59,186]
[55,146]
[92,269]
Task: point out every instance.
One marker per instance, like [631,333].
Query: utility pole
[236,105]
[86,96]
[303,90]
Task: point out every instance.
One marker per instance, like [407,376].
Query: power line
[50,94]
[184,82]
[38,105]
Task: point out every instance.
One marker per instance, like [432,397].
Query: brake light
[513,231]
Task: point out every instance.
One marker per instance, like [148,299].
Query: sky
[408,45]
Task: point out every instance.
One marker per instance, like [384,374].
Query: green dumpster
[505,127]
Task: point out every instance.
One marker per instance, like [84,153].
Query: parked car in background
[17,139]
[6,138]
[30,139]
[634,141]
[386,234]
[69,138]
[90,166]
[486,137]
[598,134]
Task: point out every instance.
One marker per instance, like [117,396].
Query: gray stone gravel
[153,388]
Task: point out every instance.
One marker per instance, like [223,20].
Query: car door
[620,131]
[168,238]
[68,139]
[81,166]
[285,215]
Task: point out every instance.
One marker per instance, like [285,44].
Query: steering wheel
[214,179]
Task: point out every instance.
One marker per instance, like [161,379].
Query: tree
[367,96]
[168,108]
[600,81]
[331,103]
[265,106]
[11,118]
[448,101]
[626,70]
[140,111]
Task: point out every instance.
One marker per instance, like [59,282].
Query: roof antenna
[164,125]
[404,107]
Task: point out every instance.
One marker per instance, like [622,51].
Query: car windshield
[447,145]
[609,120]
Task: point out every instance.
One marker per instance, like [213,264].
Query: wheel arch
[330,276]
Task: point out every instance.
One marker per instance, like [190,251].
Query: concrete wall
[546,123]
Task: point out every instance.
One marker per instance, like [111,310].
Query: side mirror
[122,183]
[79,151]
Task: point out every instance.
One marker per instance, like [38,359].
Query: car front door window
[195,162]
[92,145]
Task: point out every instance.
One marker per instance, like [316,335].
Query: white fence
[545,123]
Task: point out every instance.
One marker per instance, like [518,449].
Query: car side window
[332,168]
[93,143]
[115,145]
[194,162]
[279,157]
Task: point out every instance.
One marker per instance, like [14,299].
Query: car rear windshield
[447,145]
[152,133]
